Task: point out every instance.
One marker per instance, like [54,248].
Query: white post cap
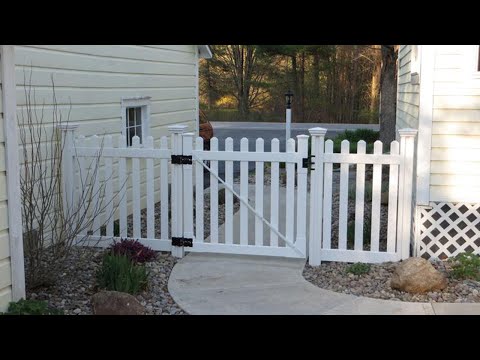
[408,132]
[318,131]
[177,129]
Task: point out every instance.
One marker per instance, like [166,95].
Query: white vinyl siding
[455,156]
[408,95]
[5,269]
[95,79]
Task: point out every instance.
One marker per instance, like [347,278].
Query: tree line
[331,83]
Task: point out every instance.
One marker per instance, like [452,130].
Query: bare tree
[388,93]
[50,230]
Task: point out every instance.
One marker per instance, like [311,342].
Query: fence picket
[360,198]
[188,188]
[109,190]
[214,195]
[343,208]
[290,194]
[82,175]
[199,195]
[301,240]
[376,197]
[259,175]
[229,195]
[122,189]
[150,192]
[327,204]
[244,194]
[392,200]
[94,175]
[136,196]
[164,204]
[274,189]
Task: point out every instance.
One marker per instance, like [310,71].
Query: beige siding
[5,269]
[455,156]
[95,78]
[408,94]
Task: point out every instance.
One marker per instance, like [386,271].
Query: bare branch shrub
[50,231]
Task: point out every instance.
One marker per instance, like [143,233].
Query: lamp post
[288,100]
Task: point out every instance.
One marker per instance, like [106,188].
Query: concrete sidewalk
[214,284]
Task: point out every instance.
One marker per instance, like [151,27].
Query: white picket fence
[136,185]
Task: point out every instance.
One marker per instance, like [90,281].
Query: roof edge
[205,52]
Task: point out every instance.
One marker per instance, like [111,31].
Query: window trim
[144,103]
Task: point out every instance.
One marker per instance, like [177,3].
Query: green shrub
[466,266]
[31,307]
[118,273]
[359,268]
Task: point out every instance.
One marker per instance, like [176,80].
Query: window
[136,118]
[478,58]
[415,65]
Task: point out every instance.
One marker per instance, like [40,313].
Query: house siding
[94,79]
[455,155]
[5,268]
[408,95]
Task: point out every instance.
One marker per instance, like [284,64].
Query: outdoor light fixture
[288,99]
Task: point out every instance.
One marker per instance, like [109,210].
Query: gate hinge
[306,162]
[182,160]
[180,241]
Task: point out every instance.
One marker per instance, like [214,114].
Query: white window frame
[415,61]
[144,103]
[475,65]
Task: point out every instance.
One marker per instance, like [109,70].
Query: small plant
[466,266]
[359,268]
[119,273]
[31,307]
[134,250]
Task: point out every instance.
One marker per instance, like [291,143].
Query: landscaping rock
[116,303]
[417,275]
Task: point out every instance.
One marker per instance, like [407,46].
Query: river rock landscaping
[335,276]
[73,291]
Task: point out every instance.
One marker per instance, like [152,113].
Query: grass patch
[466,266]
[31,307]
[359,269]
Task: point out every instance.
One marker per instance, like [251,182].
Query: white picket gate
[400,161]
[135,182]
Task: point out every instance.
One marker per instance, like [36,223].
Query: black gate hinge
[180,241]
[307,162]
[182,160]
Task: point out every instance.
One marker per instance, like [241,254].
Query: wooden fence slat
[150,192]
[274,188]
[137,230]
[327,203]
[360,199]
[109,199]
[343,206]
[214,195]
[122,189]
[376,197]
[199,196]
[164,201]
[392,200]
[259,175]
[290,195]
[243,194]
[228,194]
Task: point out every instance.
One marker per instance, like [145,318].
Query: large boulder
[116,303]
[416,275]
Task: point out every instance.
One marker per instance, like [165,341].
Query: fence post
[188,188]
[407,148]
[316,196]
[302,173]
[177,188]
[68,143]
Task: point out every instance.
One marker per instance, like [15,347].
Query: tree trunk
[375,85]
[316,75]
[388,97]
[301,112]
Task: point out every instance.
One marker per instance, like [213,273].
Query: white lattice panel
[448,229]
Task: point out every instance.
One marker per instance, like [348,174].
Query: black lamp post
[288,100]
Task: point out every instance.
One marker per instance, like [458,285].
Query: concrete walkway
[214,284]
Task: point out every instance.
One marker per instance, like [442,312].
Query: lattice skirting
[447,229]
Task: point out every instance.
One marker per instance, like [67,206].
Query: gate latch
[307,162]
[180,241]
[181,160]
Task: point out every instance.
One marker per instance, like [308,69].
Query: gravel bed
[376,284]
[73,291]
